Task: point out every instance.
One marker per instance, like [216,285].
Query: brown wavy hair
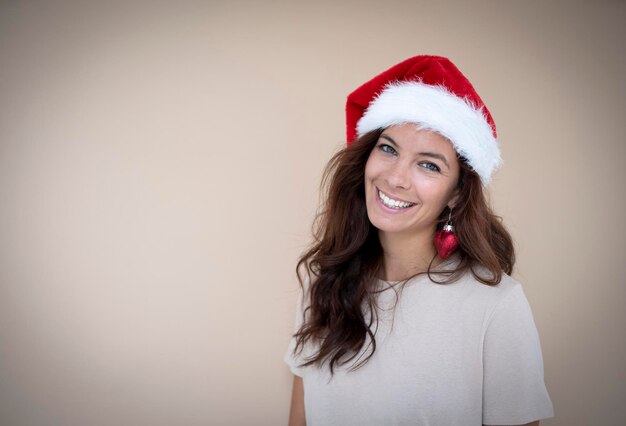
[345,258]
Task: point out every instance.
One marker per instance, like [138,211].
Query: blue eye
[386,148]
[430,166]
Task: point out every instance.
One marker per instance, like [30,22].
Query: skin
[417,166]
[296,413]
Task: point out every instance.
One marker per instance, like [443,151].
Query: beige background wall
[159,164]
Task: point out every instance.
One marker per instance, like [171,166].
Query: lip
[388,209]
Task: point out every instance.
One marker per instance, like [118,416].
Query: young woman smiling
[407,313]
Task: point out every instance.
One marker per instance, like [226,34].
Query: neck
[406,255]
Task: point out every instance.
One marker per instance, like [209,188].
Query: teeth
[394,204]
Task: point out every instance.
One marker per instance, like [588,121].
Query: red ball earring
[445,239]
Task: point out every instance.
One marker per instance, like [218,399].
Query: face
[410,177]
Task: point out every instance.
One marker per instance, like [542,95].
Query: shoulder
[470,277]
[490,297]
[504,286]
[507,307]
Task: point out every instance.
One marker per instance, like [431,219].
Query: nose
[399,176]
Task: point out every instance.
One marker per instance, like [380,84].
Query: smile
[391,203]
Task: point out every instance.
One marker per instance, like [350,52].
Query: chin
[384,224]
[390,229]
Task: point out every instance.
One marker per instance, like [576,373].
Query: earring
[445,239]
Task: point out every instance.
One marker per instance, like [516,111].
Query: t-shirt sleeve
[514,391]
[293,360]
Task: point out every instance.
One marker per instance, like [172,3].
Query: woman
[408,315]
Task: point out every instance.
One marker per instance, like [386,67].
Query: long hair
[346,256]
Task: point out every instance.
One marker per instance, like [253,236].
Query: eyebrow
[425,154]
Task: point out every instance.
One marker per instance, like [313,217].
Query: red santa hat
[431,92]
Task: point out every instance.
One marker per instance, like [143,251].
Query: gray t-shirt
[456,354]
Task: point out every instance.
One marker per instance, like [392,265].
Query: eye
[386,148]
[430,166]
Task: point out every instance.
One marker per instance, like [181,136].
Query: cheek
[434,193]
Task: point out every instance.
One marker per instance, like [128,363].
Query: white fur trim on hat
[435,108]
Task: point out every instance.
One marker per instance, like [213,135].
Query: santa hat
[429,91]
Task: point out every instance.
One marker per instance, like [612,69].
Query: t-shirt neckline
[446,263]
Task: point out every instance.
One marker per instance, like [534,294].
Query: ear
[454,197]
